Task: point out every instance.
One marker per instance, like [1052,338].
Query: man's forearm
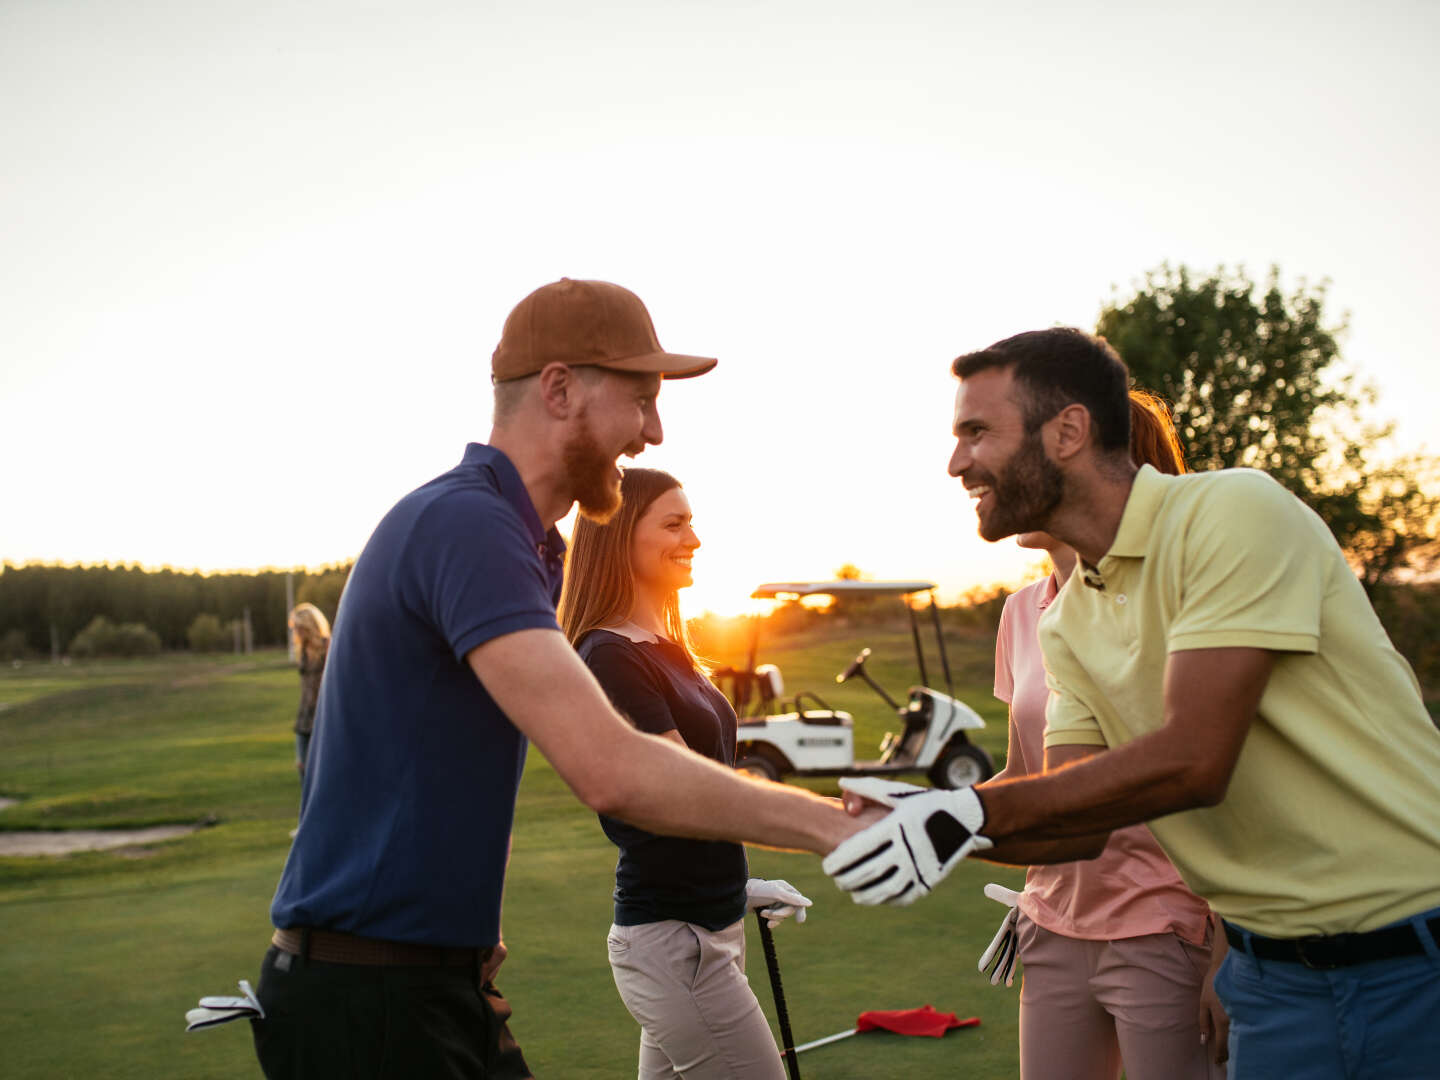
[1211,698]
[1045,852]
[671,790]
[1142,780]
[657,784]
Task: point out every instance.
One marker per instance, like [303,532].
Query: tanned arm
[651,781]
[1016,852]
[1211,697]
[1014,762]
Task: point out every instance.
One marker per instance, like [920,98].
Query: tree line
[48,606]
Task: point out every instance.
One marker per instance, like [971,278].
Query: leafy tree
[13,645]
[1411,614]
[1255,378]
[1394,525]
[208,634]
[324,589]
[101,637]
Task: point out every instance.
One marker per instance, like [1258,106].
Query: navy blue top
[409,794]
[667,877]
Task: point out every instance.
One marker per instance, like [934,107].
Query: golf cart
[777,738]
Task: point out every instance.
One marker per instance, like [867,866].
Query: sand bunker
[72,840]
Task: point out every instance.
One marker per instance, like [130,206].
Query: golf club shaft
[767,942]
[827,1040]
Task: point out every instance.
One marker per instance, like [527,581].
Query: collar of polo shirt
[1132,539]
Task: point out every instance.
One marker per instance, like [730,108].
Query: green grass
[102,953]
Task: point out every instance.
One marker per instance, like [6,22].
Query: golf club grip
[767,943]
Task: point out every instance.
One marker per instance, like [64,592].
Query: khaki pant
[698,1017]
[1088,1006]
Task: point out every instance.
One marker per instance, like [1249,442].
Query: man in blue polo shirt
[446,660]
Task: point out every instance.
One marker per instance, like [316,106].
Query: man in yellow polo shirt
[1217,671]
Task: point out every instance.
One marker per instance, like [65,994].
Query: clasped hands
[905,854]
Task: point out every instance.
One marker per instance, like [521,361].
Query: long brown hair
[599,582]
[1153,439]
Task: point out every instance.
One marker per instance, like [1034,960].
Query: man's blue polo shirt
[410,787]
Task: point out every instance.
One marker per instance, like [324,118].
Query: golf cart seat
[758,688]
[767,686]
[822,717]
[907,745]
[818,717]
[770,683]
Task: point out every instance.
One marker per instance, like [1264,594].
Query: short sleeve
[1004,650]
[1069,723]
[631,686]
[1255,562]
[1068,720]
[478,574]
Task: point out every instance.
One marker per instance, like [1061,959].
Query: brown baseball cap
[585,323]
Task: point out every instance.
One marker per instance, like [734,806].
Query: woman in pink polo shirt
[1117,951]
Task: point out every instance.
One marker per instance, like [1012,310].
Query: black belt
[1322,952]
[334,947]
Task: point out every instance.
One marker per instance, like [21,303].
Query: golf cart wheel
[962,766]
[758,765]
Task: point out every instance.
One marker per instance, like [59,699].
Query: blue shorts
[1379,1019]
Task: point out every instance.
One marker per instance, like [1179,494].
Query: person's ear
[560,390]
[1069,431]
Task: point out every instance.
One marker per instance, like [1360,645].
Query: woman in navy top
[677,946]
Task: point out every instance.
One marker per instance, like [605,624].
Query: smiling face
[663,545]
[1003,467]
[617,415]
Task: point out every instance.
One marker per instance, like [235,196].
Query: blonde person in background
[1117,951]
[311,632]
[677,945]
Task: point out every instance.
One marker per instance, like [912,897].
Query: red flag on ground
[923,1021]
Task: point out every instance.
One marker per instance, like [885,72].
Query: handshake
[906,854]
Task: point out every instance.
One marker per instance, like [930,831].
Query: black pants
[381,1023]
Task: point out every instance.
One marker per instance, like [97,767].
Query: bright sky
[257,252]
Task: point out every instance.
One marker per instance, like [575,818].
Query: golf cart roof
[771,590]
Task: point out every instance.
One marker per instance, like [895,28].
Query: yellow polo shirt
[1331,822]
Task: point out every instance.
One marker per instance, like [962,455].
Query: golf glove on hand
[777,900]
[999,959]
[906,854]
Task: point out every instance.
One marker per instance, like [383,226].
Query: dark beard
[592,479]
[1026,492]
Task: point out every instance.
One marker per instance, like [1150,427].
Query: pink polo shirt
[1131,889]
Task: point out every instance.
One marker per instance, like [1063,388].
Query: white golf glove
[907,853]
[220,1009]
[999,959]
[777,900]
